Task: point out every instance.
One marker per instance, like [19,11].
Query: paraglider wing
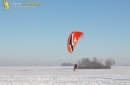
[73,39]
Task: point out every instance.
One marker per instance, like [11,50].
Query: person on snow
[75,66]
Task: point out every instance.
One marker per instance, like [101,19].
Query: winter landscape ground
[62,75]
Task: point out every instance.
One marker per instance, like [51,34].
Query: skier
[75,66]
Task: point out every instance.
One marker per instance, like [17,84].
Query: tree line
[86,63]
[67,64]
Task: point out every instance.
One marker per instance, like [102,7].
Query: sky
[38,36]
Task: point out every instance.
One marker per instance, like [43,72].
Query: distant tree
[66,64]
[109,62]
[86,63]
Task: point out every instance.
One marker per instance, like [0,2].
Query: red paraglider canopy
[73,39]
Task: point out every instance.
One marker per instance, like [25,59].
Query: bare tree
[86,63]
[95,63]
[109,62]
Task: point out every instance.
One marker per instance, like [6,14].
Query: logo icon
[6,5]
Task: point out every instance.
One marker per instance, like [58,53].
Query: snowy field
[59,75]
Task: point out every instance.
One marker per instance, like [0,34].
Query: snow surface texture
[62,75]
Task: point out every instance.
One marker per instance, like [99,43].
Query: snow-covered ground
[62,75]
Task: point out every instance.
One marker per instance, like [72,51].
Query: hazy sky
[38,36]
